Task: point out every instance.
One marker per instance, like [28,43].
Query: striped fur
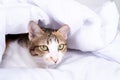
[41,47]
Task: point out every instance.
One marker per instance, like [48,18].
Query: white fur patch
[53,53]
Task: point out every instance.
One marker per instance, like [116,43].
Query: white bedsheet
[76,66]
[90,31]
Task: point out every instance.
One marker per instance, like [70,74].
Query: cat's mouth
[49,61]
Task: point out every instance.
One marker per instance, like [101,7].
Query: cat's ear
[34,30]
[64,30]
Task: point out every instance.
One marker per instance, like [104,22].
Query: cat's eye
[61,47]
[44,47]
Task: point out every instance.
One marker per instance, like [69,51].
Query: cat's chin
[47,65]
[43,64]
[52,65]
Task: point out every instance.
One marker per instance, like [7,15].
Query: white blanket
[77,66]
[90,31]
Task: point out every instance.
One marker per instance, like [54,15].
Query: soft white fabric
[2,31]
[87,28]
[75,66]
[19,14]
[112,51]
[84,24]
[90,31]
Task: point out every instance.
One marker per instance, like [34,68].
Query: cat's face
[50,45]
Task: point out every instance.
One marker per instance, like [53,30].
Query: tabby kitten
[40,47]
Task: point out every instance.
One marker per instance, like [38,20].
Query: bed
[93,43]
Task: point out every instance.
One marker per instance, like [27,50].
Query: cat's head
[50,45]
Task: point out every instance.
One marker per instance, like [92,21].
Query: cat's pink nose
[54,59]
